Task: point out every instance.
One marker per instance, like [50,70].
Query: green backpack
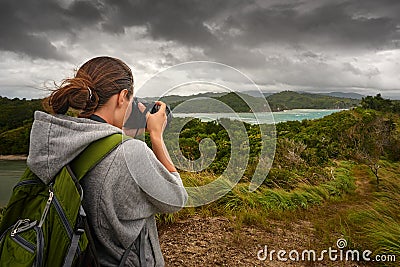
[45,224]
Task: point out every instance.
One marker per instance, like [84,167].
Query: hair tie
[90,93]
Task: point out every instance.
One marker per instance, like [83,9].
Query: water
[264,117]
[10,172]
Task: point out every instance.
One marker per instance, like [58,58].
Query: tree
[373,136]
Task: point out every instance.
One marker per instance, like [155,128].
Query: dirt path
[214,242]
[218,241]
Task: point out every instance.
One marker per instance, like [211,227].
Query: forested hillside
[280,101]
[303,147]
[16,112]
[16,117]
[293,100]
[234,102]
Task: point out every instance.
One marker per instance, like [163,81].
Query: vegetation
[315,164]
[381,104]
[305,151]
[293,100]
[279,101]
[16,116]
[15,141]
[377,225]
[16,112]
[337,161]
[236,102]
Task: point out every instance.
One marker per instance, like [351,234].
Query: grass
[366,216]
[1,213]
[377,225]
[266,199]
[255,207]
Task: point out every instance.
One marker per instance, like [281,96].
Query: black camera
[137,119]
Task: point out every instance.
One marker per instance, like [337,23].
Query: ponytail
[93,85]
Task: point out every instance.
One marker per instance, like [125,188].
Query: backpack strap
[94,153]
[78,168]
[142,257]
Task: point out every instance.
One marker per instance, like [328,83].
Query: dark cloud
[236,56]
[348,24]
[181,20]
[25,27]
[343,24]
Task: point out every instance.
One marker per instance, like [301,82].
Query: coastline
[13,157]
[272,111]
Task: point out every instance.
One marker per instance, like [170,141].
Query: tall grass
[2,209]
[254,207]
[377,226]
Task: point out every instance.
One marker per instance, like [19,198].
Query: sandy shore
[13,157]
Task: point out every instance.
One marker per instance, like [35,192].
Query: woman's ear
[123,97]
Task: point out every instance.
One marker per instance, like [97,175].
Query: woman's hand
[156,122]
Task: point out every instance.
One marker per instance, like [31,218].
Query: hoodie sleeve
[163,189]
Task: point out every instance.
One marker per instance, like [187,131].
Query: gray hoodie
[121,194]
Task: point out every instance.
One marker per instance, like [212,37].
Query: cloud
[181,21]
[332,25]
[32,26]
[207,24]
[299,44]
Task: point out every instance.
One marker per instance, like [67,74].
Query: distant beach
[13,157]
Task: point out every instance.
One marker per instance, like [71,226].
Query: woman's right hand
[156,122]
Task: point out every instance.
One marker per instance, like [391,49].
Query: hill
[294,100]
[178,98]
[16,112]
[344,95]
[237,102]
[285,100]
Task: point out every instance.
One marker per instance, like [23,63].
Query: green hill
[344,95]
[16,112]
[15,141]
[201,103]
[293,100]
[277,102]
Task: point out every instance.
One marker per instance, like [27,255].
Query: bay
[264,117]
[10,172]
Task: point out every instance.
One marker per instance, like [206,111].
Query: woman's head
[94,84]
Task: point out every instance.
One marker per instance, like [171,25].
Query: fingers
[162,105]
[156,122]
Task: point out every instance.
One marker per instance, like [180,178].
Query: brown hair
[94,84]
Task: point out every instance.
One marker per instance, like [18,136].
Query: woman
[132,183]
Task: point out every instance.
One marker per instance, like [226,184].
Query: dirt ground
[214,241]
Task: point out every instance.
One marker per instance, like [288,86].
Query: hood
[56,140]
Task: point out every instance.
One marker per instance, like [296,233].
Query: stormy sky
[306,45]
